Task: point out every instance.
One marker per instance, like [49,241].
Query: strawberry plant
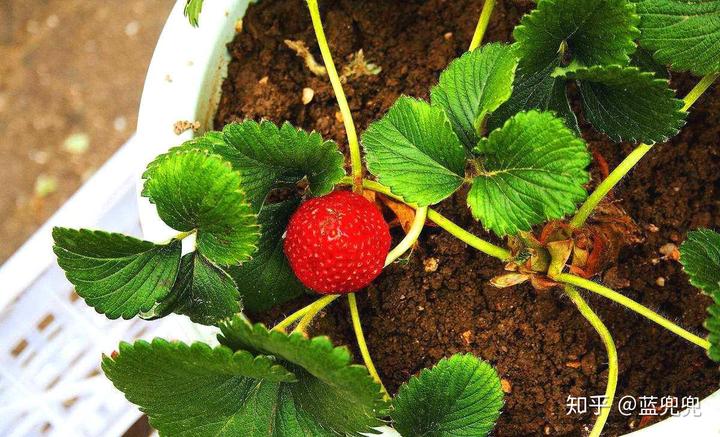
[499,122]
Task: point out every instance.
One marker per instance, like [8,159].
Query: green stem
[632,159]
[353,144]
[632,305]
[377,187]
[183,235]
[411,237]
[607,340]
[460,233]
[467,237]
[363,345]
[313,308]
[698,90]
[608,184]
[482,24]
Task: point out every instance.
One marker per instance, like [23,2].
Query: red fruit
[337,243]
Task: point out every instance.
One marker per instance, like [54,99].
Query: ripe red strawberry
[337,243]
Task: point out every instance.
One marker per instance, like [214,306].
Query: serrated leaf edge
[58,251]
[520,31]
[371,162]
[669,93]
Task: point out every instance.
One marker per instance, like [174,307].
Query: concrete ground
[71,75]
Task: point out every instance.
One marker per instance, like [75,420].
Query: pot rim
[183,84]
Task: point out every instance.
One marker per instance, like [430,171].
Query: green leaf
[119,276]
[193,189]
[644,60]
[268,157]
[267,280]
[558,32]
[199,391]
[203,291]
[332,397]
[414,151]
[684,34]
[700,257]
[192,11]
[590,32]
[460,396]
[531,170]
[712,324]
[537,90]
[627,104]
[473,86]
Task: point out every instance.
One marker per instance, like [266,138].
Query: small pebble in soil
[670,251]
[660,281]
[307,95]
[506,385]
[448,36]
[263,80]
[430,264]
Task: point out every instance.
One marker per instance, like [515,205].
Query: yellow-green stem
[362,345]
[183,235]
[353,144]
[698,90]
[410,238]
[607,340]
[608,184]
[313,309]
[473,241]
[613,295]
[632,159]
[482,24]
[437,218]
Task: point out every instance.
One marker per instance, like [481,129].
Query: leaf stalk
[357,326]
[313,309]
[465,236]
[411,237]
[632,159]
[353,144]
[482,24]
[630,304]
[613,366]
[183,235]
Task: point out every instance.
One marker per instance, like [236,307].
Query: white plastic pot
[183,83]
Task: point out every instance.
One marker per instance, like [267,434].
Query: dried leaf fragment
[301,49]
[358,67]
[185,125]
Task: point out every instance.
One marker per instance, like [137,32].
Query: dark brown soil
[539,343]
